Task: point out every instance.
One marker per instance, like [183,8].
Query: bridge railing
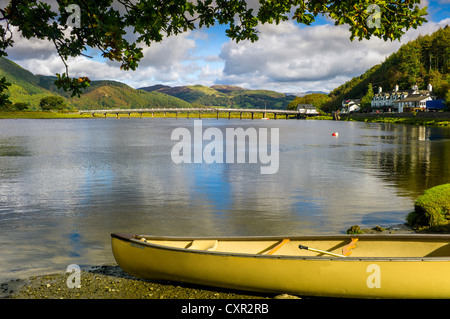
[196,110]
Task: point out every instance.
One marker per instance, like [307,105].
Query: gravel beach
[110,282]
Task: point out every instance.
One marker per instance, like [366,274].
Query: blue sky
[288,58]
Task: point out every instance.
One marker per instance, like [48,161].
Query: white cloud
[167,61]
[290,58]
[24,49]
[166,53]
[288,54]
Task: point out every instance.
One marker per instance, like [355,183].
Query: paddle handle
[320,251]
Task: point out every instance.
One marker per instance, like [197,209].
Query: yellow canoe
[356,266]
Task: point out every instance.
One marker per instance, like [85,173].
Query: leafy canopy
[103,24]
[52,103]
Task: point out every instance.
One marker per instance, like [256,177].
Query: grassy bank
[432,210]
[372,118]
[41,115]
[433,119]
[76,115]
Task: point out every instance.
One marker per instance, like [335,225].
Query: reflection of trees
[418,159]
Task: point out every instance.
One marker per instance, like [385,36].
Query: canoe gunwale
[134,240]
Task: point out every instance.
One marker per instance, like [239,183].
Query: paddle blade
[347,250]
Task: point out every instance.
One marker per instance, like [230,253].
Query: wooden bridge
[189,111]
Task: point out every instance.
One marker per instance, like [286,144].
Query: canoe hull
[305,276]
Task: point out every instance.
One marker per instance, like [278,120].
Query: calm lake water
[66,185]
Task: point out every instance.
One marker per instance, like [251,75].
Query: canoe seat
[203,244]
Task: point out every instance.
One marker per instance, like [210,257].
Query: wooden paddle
[320,251]
[347,250]
[274,249]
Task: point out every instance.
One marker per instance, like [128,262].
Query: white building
[350,105]
[307,109]
[397,100]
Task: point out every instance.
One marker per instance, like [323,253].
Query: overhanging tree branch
[103,23]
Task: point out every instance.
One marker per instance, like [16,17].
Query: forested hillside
[225,96]
[422,61]
[25,86]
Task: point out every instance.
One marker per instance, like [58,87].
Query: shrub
[53,103]
[19,106]
[432,208]
[355,229]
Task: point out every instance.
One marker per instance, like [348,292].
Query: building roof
[305,106]
[414,98]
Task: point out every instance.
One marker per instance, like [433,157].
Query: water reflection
[65,185]
[416,159]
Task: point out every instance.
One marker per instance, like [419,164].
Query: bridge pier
[252,112]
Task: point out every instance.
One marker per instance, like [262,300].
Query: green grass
[432,209]
[41,115]
[444,122]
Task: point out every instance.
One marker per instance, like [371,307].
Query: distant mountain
[226,88]
[421,61]
[305,93]
[225,96]
[30,89]
[155,87]
[112,94]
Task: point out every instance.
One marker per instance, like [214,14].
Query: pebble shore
[111,282]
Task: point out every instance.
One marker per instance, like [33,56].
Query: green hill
[225,96]
[30,89]
[421,61]
[111,95]
[25,86]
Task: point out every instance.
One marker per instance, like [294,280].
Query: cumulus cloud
[167,61]
[317,57]
[289,54]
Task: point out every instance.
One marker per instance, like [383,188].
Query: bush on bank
[432,209]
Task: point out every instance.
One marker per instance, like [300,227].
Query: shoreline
[432,119]
[159,115]
[111,282]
